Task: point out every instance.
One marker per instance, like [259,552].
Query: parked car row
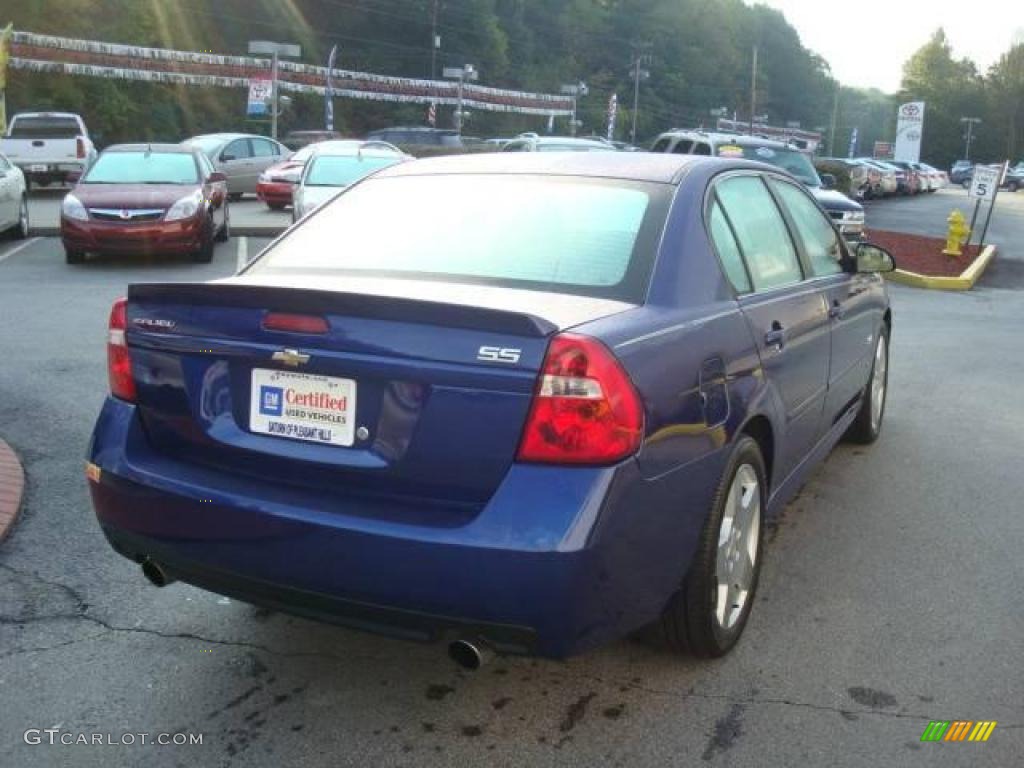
[963,173]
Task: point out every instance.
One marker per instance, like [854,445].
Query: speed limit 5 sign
[985,182]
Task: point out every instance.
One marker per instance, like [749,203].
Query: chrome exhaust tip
[469,654]
[156,574]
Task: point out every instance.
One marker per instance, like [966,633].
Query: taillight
[80,147]
[585,409]
[119,364]
[290,323]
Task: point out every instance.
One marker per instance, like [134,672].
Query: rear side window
[583,236]
[816,233]
[262,148]
[700,148]
[728,249]
[760,231]
[661,145]
[683,147]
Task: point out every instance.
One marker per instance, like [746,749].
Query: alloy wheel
[738,539]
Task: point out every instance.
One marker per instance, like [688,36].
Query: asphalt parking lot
[890,595]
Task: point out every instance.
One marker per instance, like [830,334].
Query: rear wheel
[276,206]
[866,428]
[235,197]
[73,257]
[707,615]
[21,228]
[224,233]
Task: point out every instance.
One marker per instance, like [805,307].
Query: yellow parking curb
[964,282]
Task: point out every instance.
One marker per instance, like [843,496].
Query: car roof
[177,149]
[656,167]
[415,128]
[739,139]
[224,136]
[353,147]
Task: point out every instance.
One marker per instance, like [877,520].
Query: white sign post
[909,126]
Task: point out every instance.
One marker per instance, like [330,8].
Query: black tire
[864,430]
[224,233]
[1013,186]
[276,206]
[73,257]
[688,624]
[235,196]
[205,253]
[20,231]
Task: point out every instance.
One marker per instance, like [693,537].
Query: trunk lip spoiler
[397,309]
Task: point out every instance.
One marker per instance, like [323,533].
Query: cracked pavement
[890,595]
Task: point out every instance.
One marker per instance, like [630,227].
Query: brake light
[585,409]
[289,323]
[119,364]
[80,147]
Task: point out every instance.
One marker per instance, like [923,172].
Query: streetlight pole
[638,59]
[274,50]
[463,73]
[435,42]
[753,90]
[971,122]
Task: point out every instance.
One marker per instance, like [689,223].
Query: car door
[235,160]
[786,313]
[265,153]
[853,315]
[10,199]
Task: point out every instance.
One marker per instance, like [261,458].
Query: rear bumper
[275,192]
[158,237]
[556,562]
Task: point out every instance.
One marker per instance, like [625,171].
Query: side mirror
[216,177]
[828,181]
[227,157]
[872,258]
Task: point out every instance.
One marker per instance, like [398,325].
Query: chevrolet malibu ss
[553,407]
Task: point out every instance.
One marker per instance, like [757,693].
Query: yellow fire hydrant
[957,235]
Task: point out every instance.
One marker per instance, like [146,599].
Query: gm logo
[499,354]
[271,401]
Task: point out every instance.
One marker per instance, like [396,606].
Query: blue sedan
[527,403]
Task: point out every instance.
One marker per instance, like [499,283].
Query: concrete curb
[12,488]
[964,282]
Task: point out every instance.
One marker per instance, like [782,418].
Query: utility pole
[753,90]
[835,116]
[435,41]
[971,122]
[638,59]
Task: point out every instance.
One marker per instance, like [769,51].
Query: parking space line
[7,254]
[243,253]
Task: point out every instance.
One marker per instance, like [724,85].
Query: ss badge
[499,354]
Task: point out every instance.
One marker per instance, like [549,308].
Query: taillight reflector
[80,147]
[289,323]
[585,409]
[119,364]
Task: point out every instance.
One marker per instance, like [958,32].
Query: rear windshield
[340,171]
[592,237]
[45,128]
[791,160]
[143,168]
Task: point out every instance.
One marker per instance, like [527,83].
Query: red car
[146,199]
[276,184]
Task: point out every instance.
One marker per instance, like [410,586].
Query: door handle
[836,312]
[776,337]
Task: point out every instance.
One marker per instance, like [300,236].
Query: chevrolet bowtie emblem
[290,357]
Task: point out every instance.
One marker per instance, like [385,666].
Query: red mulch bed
[923,254]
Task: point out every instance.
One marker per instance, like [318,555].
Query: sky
[866,41]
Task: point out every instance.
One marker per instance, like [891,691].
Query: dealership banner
[68,56]
[260,92]
[909,127]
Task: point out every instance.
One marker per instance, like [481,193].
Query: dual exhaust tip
[468,654]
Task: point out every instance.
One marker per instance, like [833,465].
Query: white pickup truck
[48,146]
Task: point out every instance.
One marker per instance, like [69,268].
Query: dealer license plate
[302,406]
